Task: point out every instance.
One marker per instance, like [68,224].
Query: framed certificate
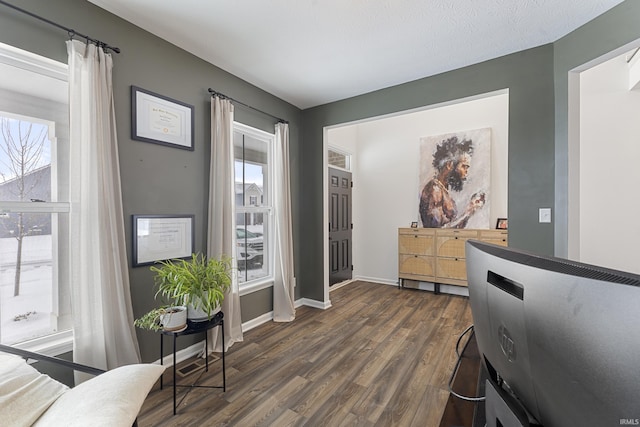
[161,120]
[162,237]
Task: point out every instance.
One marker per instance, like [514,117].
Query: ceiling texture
[312,52]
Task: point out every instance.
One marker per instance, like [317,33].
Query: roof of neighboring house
[38,181]
[252,187]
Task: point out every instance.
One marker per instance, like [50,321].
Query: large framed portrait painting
[455,180]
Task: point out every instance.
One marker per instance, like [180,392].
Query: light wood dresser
[437,254]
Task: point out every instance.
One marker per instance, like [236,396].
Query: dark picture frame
[162,237]
[161,120]
[502,224]
[414,224]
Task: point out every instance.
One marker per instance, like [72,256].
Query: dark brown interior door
[340,266]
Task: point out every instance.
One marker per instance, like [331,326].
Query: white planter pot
[198,315]
[175,319]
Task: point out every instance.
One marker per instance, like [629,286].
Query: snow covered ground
[28,315]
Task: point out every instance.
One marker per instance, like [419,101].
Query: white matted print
[455,180]
[161,120]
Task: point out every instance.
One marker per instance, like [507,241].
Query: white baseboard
[267,317]
[254,323]
[376,280]
[322,305]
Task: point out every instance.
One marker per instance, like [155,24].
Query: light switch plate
[544,215]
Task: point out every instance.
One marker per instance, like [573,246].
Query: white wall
[609,172]
[385,173]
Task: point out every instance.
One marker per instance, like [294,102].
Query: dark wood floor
[380,356]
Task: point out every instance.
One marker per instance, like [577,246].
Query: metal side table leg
[161,363]
[206,350]
[224,376]
[174,374]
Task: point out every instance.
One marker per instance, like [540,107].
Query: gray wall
[155,179]
[159,179]
[529,77]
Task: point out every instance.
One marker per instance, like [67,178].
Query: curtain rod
[69,31]
[222,95]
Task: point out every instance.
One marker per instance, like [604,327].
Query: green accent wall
[155,179]
[256,304]
[529,77]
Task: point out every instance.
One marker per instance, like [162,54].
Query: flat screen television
[560,339]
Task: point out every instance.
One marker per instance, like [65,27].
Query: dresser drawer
[415,243]
[451,270]
[417,267]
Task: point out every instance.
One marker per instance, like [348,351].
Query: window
[252,154]
[35,308]
[339,159]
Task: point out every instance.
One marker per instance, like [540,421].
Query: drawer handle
[456,237]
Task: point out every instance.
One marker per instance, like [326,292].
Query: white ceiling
[311,52]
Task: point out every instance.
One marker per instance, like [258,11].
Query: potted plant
[199,283]
[172,318]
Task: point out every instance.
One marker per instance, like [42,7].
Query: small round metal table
[194,328]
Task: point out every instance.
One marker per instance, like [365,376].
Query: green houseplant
[169,318]
[200,283]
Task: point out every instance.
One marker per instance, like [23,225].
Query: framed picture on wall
[161,120]
[502,224]
[162,237]
[455,179]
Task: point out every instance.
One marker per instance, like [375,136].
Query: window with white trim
[339,159]
[253,207]
[35,311]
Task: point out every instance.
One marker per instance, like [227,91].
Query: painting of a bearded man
[454,176]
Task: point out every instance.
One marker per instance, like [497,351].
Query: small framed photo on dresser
[502,224]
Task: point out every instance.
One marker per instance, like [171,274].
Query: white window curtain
[284,280]
[222,223]
[103,331]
